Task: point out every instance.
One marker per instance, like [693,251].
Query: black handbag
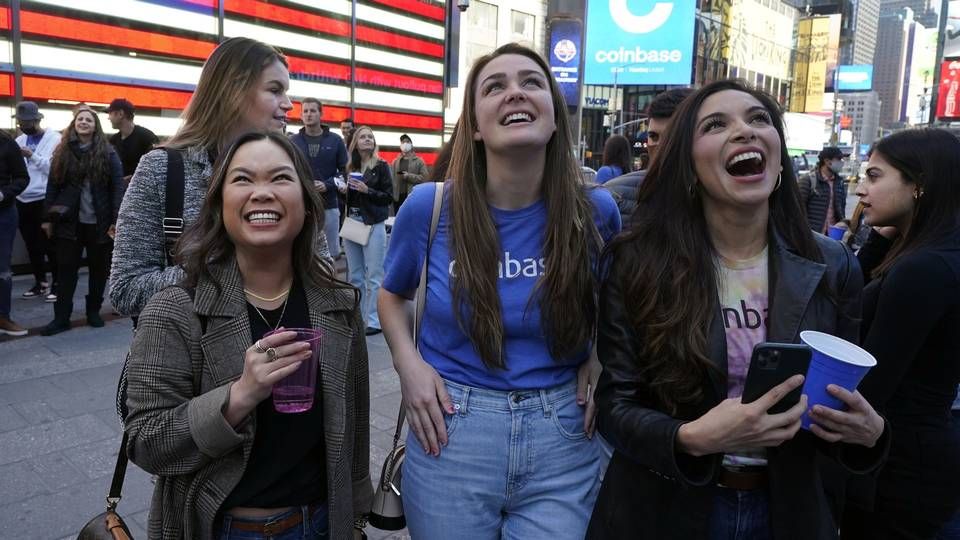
[109,525]
[387,508]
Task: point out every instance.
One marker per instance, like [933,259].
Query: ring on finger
[271,354]
[258,347]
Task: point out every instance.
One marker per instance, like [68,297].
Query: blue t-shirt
[442,343]
[608,172]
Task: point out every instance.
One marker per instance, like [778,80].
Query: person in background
[911,324]
[718,234]
[131,141]
[327,155]
[409,169]
[14,179]
[243,87]
[202,419]
[497,394]
[660,111]
[37,145]
[368,201]
[82,203]
[617,158]
[346,130]
[823,192]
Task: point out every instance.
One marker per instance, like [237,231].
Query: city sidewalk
[59,431]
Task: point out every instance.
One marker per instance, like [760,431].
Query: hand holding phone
[772,364]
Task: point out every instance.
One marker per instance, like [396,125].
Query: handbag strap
[173,213]
[119,473]
[420,299]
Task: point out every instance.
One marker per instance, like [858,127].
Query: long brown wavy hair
[66,165]
[227,78]
[566,292]
[666,260]
[206,242]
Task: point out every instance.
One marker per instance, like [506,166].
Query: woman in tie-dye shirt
[719,259]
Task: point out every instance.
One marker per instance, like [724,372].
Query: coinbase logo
[640,24]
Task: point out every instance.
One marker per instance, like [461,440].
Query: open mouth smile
[262,217]
[517,118]
[746,163]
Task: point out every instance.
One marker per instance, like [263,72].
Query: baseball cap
[405,137]
[27,110]
[121,104]
[831,152]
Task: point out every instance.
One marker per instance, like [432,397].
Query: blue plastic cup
[833,361]
[836,232]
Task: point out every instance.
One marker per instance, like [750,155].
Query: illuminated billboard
[639,45]
[566,38]
[948,106]
[817,41]
[951,45]
[857,78]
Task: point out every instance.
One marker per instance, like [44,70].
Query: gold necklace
[279,320]
[274,299]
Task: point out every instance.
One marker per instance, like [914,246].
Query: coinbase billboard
[639,41]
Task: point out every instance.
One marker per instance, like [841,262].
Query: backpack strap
[173,215]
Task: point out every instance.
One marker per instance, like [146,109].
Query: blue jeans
[740,515]
[8,231]
[331,228]
[313,527]
[366,270]
[517,465]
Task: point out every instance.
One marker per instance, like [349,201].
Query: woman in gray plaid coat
[201,372]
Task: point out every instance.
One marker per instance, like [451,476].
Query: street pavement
[59,432]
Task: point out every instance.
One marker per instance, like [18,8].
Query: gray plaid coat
[179,380]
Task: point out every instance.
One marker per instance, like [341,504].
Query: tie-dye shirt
[743,304]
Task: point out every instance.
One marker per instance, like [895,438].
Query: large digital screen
[566,42]
[641,43]
[948,98]
[857,78]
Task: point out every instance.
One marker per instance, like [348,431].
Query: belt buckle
[273,528]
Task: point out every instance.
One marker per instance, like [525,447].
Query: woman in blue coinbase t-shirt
[498,395]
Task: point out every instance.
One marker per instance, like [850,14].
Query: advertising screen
[641,43]
[951,43]
[948,106]
[566,40]
[855,78]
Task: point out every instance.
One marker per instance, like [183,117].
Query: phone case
[772,364]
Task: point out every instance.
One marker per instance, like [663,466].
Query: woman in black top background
[82,203]
[911,323]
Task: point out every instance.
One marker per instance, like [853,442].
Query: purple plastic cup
[834,361]
[294,393]
[836,232]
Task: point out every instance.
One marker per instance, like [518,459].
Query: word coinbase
[639,56]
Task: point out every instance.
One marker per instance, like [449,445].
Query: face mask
[836,166]
[406,147]
[31,130]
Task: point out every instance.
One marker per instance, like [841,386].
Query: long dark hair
[617,151]
[666,259]
[206,242]
[566,292]
[69,164]
[928,158]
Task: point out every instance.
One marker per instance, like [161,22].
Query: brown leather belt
[745,480]
[274,527]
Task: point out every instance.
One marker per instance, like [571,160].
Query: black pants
[68,258]
[38,245]
[399,202]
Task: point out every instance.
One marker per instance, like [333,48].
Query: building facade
[890,63]
[866,17]
[379,61]
[925,12]
[863,110]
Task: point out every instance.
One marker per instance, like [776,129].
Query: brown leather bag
[109,525]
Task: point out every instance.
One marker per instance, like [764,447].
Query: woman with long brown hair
[500,442]
[229,463]
[719,259]
[82,202]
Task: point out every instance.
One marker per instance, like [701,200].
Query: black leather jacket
[375,204]
[651,490]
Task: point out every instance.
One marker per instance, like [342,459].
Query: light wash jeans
[517,465]
[331,228]
[366,270]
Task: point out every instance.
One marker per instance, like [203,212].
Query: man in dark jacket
[13,180]
[131,141]
[624,188]
[823,192]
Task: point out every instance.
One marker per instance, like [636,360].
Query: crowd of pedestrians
[582,349]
